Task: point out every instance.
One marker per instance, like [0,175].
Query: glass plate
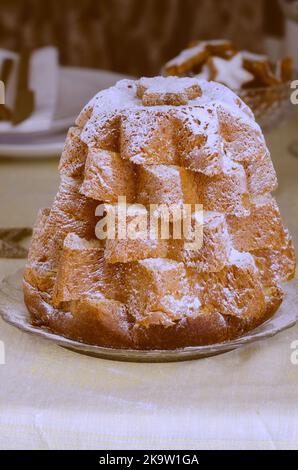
[13,311]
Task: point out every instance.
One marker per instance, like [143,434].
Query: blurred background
[137,37]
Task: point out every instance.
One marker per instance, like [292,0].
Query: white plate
[40,146]
[76,87]
[13,311]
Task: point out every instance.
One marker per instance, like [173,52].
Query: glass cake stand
[14,312]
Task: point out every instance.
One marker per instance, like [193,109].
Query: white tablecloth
[54,398]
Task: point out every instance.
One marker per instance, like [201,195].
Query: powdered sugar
[187,54]
[247,55]
[196,52]
[122,100]
[167,84]
[240,258]
[231,72]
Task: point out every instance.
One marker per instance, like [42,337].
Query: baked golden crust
[137,140]
[82,325]
[82,320]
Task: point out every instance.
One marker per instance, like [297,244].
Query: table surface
[54,398]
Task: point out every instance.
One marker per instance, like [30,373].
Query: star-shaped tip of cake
[172,91]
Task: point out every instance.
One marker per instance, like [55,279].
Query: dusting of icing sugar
[73,241]
[213,218]
[187,305]
[121,104]
[231,72]
[244,116]
[187,54]
[246,55]
[163,264]
[198,115]
[263,199]
[167,84]
[123,95]
[214,92]
[229,166]
[165,172]
[241,258]
[194,51]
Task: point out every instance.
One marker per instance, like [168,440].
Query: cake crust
[166,141]
[208,328]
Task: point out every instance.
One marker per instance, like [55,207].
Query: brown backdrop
[132,36]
